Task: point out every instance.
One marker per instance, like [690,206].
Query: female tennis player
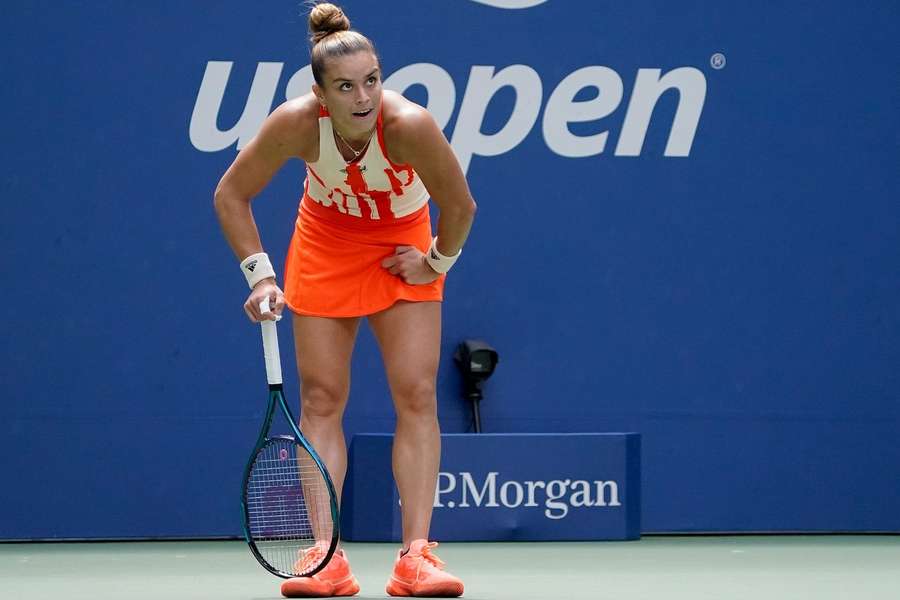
[362,247]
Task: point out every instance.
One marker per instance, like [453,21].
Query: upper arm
[419,142]
[287,133]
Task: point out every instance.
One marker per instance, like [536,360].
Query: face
[352,92]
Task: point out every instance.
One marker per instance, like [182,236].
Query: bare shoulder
[408,127]
[401,113]
[293,128]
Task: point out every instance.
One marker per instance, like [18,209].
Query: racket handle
[270,346]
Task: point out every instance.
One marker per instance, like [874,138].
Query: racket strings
[288,507]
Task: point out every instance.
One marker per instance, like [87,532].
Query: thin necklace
[355,152]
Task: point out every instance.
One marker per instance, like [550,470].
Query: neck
[356,141]
[356,148]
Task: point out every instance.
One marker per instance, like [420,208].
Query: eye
[372,80]
[345,87]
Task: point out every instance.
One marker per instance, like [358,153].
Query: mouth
[362,114]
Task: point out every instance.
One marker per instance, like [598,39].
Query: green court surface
[654,568]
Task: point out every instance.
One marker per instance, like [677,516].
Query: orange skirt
[335,271]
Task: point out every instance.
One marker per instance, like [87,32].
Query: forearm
[453,226]
[238,226]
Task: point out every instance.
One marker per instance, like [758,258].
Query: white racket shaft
[270,345]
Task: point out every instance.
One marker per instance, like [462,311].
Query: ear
[320,95]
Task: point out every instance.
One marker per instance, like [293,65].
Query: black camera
[476,360]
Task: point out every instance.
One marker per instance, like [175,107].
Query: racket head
[290,510]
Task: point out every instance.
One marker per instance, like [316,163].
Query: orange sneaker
[334,580]
[420,573]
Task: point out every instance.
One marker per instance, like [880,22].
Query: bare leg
[409,334]
[324,347]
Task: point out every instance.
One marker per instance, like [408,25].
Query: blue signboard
[505,487]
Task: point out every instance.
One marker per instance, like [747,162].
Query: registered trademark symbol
[717,61]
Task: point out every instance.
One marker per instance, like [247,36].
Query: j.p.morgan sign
[504,487]
[457,491]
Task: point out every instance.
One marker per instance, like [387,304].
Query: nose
[362,96]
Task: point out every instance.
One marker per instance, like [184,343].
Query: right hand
[267,288]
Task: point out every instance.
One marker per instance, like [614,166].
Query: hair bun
[325,19]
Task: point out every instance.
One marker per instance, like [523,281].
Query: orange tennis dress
[351,217]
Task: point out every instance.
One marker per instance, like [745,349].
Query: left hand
[408,262]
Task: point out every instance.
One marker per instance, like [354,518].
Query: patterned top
[368,191]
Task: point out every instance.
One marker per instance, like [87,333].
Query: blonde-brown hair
[331,36]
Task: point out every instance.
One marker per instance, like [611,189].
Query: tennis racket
[290,510]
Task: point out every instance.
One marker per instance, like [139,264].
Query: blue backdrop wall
[688,228]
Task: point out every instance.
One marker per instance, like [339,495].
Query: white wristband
[438,261]
[257,267]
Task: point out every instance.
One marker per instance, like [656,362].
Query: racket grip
[270,347]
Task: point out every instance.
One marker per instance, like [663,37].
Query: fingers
[277,304]
[270,297]
[254,313]
[265,309]
[392,264]
[408,263]
[395,263]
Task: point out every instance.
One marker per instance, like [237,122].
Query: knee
[321,401]
[416,399]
